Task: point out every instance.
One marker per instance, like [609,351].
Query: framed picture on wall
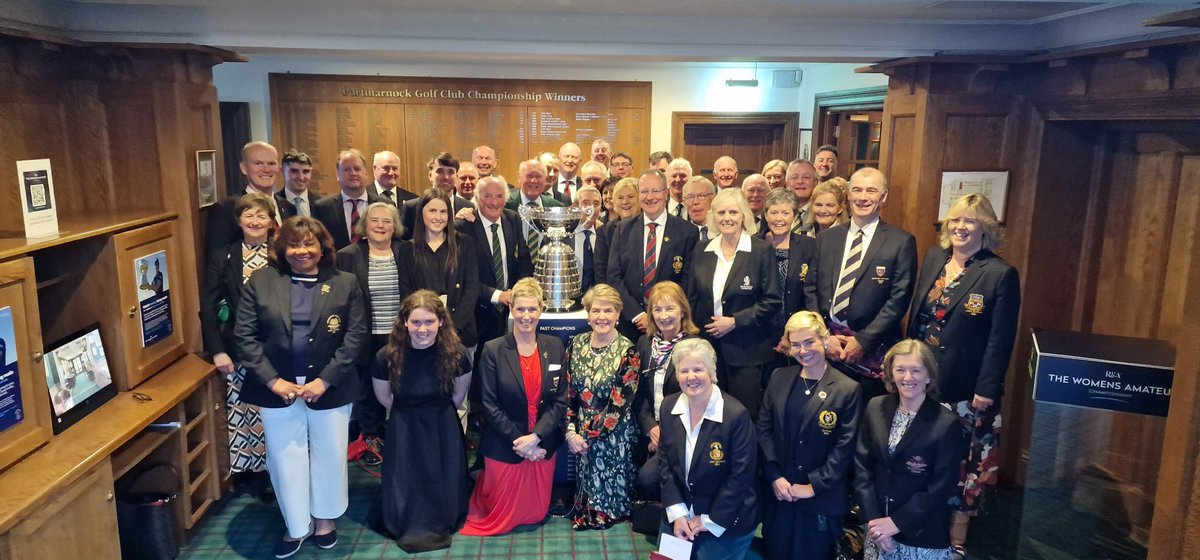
[806,136]
[992,184]
[206,176]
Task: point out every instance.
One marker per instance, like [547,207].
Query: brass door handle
[132,311]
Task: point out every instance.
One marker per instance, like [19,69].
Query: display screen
[76,370]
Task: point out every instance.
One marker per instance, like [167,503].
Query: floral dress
[601,383]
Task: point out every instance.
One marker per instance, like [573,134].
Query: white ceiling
[588,32]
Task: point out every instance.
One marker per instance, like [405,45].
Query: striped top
[384,287]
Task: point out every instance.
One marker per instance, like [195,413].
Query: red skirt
[507,496]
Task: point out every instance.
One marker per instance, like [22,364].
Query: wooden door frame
[789,121]
[862,99]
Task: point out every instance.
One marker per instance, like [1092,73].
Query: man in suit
[697,195]
[620,165]
[260,165]
[862,282]
[679,171]
[600,151]
[802,179]
[585,236]
[443,174]
[659,160]
[468,177]
[532,177]
[647,250]
[755,188]
[550,160]
[725,173]
[387,176]
[568,182]
[826,162]
[340,212]
[503,254]
[297,172]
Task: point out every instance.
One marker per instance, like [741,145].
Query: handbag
[146,515]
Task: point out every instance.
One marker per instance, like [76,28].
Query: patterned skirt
[904,552]
[247,444]
[982,465]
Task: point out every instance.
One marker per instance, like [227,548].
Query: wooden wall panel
[418,117]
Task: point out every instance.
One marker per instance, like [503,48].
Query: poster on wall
[11,411]
[955,184]
[154,297]
[37,197]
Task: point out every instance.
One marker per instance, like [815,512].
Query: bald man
[340,212]
[260,167]
[725,173]
[755,188]
[568,169]
[386,166]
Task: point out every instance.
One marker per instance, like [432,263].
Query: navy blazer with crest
[751,297]
[721,482]
[490,320]
[820,449]
[505,406]
[643,401]
[263,335]
[626,257]
[882,291]
[980,327]
[914,485]
[802,251]
[330,211]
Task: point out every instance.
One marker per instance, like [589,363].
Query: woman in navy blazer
[522,421]
[739,322]
[907,460]
[670,323]
[965,308]
[807,431]
[794,254]
[708,485]
[301,328]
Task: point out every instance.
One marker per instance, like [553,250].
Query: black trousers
[368,417]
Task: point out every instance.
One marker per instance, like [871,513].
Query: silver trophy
[554,265]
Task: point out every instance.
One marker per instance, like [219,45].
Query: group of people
[767,317]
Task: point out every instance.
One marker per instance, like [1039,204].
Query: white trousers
[306,456]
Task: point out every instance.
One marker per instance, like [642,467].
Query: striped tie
[354,217]
[531,236]
[651,264]
[497,258]
[841,296]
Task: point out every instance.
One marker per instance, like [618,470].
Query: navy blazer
[263,335]
[802,251]
[604,237]
[643,400]
[330,211]
[882,291]
[980,325]
[354,259]
[750,296]
[408,211]
[914,485]
[222,281]
[721,482]
[505,406]
[402,194]
[626,257]
[820,449]
[222,227]
[463,288]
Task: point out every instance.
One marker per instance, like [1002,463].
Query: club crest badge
[677,264]
[325,289]
[880,275]
[916,464]
[746,283]
[803,271]
[716,455]
[827,420]
[974,304]
[334,324]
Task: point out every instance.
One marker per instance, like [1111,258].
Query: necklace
[808,388]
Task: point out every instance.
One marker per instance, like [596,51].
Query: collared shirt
[659,234]
[721,273]
[348,209]
[270,197]
[803,213]
[525,202]
[677,209]
[579,239]
[383,193]
[304,209]
[575,186]
[487,231]
[713,412]
[868,233]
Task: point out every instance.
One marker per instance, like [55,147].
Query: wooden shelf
[198,483]
[196,421]
[71,454]
[193,454]
[130,454]
[73,228]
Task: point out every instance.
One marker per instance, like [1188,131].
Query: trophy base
[564,306]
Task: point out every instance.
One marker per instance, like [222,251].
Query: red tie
[567,190]
[354,222]
[651,264]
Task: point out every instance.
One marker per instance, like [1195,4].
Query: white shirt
[658,238]
[525,223]
[713,412]
[348,210]
[721,274]
[575,186]
[487,230]
[580,238]
[868,233]
[674,206]
[394,198]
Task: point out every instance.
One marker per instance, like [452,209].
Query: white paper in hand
[674,547]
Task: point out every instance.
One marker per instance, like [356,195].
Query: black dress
[423,498]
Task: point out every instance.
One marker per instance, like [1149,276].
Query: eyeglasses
[621,164]
[652,191]
[694,197]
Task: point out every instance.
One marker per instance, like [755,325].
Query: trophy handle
[523,211]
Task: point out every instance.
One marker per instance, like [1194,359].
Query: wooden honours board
[419,117]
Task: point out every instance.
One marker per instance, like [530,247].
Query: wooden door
[137,361]
[856,133]
[79,522]
[26,387]
[751,139]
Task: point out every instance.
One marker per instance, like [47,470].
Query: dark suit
[515,201]
[604,236]
[802,251]
[980,325]
[721,482]
[489,319]
[877,301]
[402,195]
[462,290]
[626,256]
[505,407]
[264,337]
[330,211]
[576,184]
[914,485]
[222,281]
[751,297]
[222,226]
[408,212]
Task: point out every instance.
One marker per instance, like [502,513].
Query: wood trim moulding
[50,38]
[1157,105]
[789,121]
[865,99]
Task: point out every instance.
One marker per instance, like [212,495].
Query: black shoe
[285,548]
[373,456]
[326,541]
